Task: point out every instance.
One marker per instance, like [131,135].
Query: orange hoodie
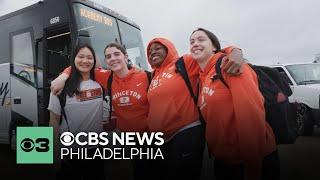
[236,128]
[171,106]
[129,98]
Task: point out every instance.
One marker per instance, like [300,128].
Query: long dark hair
[73,83]
[213,38]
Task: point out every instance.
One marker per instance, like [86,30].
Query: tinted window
[22,56]
[131,39]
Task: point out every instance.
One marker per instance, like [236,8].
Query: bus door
[57,51]
[23,78]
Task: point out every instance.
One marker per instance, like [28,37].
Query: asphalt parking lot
[298,162]
[302,159]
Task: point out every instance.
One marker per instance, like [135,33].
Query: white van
[304,79]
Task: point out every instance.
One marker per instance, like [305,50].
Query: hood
[172,55]
[313,86]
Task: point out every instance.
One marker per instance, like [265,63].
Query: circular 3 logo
[27,145]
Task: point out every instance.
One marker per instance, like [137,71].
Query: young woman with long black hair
[83,112]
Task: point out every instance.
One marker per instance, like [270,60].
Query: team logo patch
[89,94]
[124,100]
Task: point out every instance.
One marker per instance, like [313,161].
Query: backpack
[275,91]
[109,89]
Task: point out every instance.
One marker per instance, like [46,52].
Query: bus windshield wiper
[310,81]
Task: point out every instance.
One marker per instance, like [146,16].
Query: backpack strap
[109,93]
[181,68]
[149,76]
[62,99]
[218,75]
[103,93]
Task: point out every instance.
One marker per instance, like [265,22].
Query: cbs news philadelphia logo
[34,145]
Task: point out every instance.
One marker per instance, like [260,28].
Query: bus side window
[22,56]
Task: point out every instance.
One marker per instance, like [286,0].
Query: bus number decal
[55,20]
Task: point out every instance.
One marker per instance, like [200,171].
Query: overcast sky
[267,31]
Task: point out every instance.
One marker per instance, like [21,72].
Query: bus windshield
[103,29]
[131,39]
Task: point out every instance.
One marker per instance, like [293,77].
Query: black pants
[182,156]
[82,169]
[141,167]
[270,169]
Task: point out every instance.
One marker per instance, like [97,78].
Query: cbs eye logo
[67,138]
[40,145]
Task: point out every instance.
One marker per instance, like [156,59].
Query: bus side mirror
[83,38]
[84,33]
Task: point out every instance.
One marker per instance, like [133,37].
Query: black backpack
[271,84]
[109,89]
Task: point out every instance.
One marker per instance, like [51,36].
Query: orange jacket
[236,127]
[129,98]
[171,106]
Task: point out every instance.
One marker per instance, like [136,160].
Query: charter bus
[35,46]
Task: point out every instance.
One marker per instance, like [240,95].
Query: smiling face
[115,59]
[157,54]
[84,60]
[201,47]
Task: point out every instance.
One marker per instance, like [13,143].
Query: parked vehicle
[304,79]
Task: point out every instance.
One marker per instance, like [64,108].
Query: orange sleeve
[249,113]
[67,70]
[192,65]
[228,49]
[101,75]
